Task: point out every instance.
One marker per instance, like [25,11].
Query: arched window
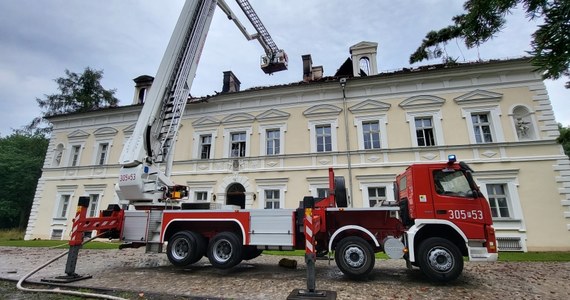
[142,95]
[523,123]
[57,155]
[364,66]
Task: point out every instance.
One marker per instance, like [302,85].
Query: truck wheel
[225,250]
[251,252]
[354,256]
[440,260]
[340,192]
[185,248]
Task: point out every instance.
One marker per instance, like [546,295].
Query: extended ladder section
[148,155]
[275,59]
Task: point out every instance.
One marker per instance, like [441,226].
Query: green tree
[77,93]
[564,138]
[22,156]
[485,18]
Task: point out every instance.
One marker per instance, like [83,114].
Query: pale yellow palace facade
[267,147]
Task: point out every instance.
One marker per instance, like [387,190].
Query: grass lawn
[15,238]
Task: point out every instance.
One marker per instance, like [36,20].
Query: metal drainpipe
[347,136]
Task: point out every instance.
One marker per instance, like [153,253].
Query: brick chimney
[231,83]
[311,73]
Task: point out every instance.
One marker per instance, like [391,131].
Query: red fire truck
[438,218]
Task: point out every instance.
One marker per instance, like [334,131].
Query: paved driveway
[262,278]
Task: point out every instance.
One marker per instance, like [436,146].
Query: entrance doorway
[236,195]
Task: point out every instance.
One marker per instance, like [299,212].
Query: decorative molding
[78,134]
[238,118]
[105,131]
[369,106]
[206,122]
[273,114]
[422,101]
[322,110]
[129,129]
[478,96]
[429,156]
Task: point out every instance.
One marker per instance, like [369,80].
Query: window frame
[313,134]
[61,211]
[99,152]
[197,145]
[496,128]
[436,117]
[93,209]
[205,154]
[262,130]
[377,181]
[274,201]
[382,121]
[228,141]
[263,185]
[72,161]
[510,179]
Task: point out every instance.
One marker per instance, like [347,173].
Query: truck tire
[354,256]
[225,250]
[185,248]
[440,260]
[340,192]
[251,252]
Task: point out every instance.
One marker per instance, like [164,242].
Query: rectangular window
[498,200]
[75,150]
[102,153]
[273,141]
[424,131]
[63,206]
[271,199]
[56,234]
[376,196]
[93,205]
[322,192]
[205,146]
[482,128]
[324,138]
[201,196]
[238,144]
[371,134]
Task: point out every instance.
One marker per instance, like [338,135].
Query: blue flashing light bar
[451,158]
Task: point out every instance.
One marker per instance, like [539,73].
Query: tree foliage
[564,138]
[485,18]
[77,93]
[22,156]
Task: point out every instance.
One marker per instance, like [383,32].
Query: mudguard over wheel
[251,252]
[354,256]
[225,250]
[439,259]
[185,248]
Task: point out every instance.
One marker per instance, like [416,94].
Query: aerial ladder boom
[275,59]
[147,157]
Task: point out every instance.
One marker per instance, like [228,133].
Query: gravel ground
[262,278]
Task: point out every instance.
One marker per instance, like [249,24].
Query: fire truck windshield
[452,183]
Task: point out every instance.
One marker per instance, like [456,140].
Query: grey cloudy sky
[127,38]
